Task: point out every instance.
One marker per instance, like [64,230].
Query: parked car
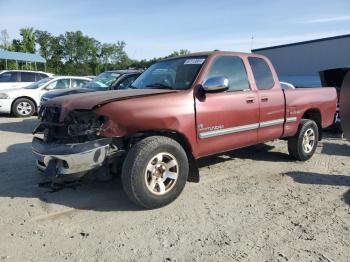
[23,102]
[20,78]
[109,80]
[180,109]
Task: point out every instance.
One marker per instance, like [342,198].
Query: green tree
[43,39]
[74,53]
[179,53]
[28,39]
[81,53]
[56,54]
[16,45]
[94,51]
[146,63]
[113,56]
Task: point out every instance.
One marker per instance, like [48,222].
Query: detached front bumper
[58,160]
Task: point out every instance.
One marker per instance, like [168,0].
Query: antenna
[251,43]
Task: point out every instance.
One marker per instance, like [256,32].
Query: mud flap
[193,174]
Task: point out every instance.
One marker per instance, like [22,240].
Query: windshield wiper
[160,86]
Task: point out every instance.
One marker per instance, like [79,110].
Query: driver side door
[230,119]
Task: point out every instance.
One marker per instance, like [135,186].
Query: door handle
[264,99]
[250,100]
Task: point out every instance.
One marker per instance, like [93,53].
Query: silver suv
[20,78]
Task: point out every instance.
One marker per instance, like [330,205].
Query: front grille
[51,114]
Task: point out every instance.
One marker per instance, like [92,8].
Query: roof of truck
[208,53]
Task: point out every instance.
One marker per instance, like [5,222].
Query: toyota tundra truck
[179,110]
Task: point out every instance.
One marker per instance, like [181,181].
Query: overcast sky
[154,28]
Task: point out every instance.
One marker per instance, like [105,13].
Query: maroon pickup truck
[180,109]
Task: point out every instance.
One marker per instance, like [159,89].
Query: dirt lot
[251,205]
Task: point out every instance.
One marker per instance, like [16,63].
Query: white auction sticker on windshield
[194,61]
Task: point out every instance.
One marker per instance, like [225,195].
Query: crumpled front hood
[90,100]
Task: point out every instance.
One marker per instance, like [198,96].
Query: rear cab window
[262,73]
[231,67]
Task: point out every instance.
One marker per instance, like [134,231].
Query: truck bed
[323,102]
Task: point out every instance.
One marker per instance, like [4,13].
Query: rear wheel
[303,145]
[23,107]
[155,172]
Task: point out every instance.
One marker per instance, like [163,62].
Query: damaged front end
[70,149]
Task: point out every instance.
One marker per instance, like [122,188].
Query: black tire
[28,106]
[134,171]
[296,147]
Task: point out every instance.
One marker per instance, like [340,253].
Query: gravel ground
[254,204]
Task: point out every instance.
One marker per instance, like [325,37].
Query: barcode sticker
[193,61]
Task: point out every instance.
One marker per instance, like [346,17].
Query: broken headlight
[81,123]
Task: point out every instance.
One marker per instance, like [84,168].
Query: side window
[233,68]
[78,83]
[39,76]
[126,83]
[123,84]
[42,76]
[132,79]
[8,77]
[27,77]
[262,73]
[58,84]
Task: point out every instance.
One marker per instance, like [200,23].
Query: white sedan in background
[23,102]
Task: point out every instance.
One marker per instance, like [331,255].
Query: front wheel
[303,145]
[23,107]
[155,172]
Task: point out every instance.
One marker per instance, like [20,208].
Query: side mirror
[215,84]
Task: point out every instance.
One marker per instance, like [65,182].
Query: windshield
[103,81]
[177,74]
[39,83]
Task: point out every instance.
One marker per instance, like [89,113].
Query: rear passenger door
[27,78]
[227,120]
[271,100]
